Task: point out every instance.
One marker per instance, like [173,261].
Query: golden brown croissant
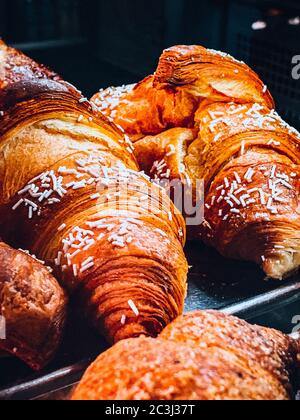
[169,99]
[246,154]
[163,156]
[71,192]
[33,307]
[201,356]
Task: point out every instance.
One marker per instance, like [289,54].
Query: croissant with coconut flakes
[71,192]
[246,154]
[141,110]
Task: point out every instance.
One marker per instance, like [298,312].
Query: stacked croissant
[98,230]
[206,116]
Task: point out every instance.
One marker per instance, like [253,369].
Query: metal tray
[214,283]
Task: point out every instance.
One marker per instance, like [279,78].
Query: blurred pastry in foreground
[32,307]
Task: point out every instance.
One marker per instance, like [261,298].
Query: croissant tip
[280,267]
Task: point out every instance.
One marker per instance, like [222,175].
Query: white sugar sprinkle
[237,177]
[161,232]
[133,307]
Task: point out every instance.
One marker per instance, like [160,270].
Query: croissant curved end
[79,202]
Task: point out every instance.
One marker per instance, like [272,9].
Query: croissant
[163,156]
[71,192]
[32,307]
[246,154]
[200,356]
[141,110]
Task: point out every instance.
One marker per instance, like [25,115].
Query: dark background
[96,43]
